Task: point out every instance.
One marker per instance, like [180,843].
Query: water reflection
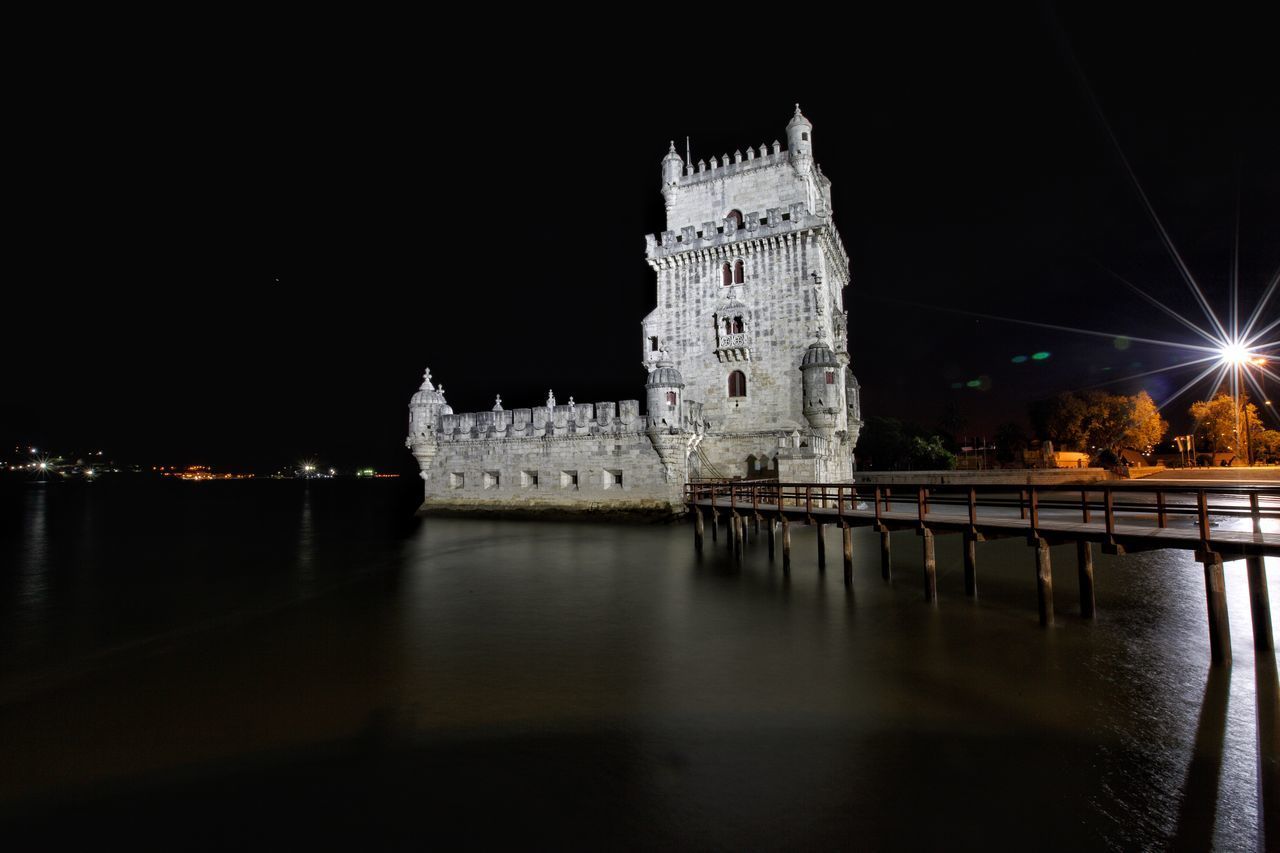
[429,671]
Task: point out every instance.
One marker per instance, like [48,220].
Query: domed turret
[672,167]
[663,392]
[821,370]
[425,408]
[799,135]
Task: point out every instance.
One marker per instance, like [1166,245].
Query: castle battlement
[775,222]
[721,168]
[580,419]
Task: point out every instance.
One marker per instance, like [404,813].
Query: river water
[271,663]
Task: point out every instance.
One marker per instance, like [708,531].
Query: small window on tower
[737,326]
[831,377]
[736,216]
[737,384]
[653,344]
[728,326]
[804,136]
[737,272]
[671,398]
[726,275]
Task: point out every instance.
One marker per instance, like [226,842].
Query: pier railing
[1039,506]
[1217,522]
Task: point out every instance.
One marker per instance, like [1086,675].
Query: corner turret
[799,135]
[821,388]
[425,409]
[672,167]
[663,392]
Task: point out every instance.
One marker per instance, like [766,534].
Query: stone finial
[426,380]
[764,150]
[737,156]
[571,403]
[497,403]
[441,390]
[702,165]
[551,400]
[798,109]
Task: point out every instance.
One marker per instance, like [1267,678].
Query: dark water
[267,664]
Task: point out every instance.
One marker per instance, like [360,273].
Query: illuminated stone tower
[750,278]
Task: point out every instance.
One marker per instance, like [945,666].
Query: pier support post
[698,530]
[755,524]
[930,566]
[1044,581]
[1259,604]
[1084,559]
[773,523]
[884,555]
[739,531]
[786,546]
[822,546]
[847,531]
[970,564]
[715,522]
[1215,590]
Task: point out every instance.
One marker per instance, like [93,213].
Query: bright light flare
[1235,353]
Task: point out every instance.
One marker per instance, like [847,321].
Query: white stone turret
[664,393]
[672,167]
[822,388]
[425,409]
[799,135]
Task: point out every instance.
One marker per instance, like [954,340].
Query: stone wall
[620,471]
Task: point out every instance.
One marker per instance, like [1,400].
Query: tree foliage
[1096,421]
[888,444]
[1216,422]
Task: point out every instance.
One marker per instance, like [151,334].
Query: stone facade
[746,353]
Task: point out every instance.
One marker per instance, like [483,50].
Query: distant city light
[1039,356]
[1019,359]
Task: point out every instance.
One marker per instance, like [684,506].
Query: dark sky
[244,253]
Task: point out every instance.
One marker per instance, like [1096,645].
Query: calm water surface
[191,665]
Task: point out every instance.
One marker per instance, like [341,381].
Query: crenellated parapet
[774,223]
[541,422]
[740,163]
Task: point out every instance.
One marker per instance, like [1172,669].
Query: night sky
[244,255]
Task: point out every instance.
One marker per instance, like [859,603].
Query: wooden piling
[930,566]
[1044,582]
[773,523]
[755,524]
[970,564]
[786,546]
[698,530]
[885,571]
[1259,598]
[848,553]
[822,546]
[1259,604]
[1215,589]
[715,522]
[1084,560]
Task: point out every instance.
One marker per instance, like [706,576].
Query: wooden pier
[1218,522]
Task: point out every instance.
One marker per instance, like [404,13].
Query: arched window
[728,326]
[726,275]
[671,398]
[737,384]
[737,272]
[736,216]
[737,326]
[831,377]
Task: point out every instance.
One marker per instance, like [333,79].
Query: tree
[1060,419]
[1266,446]
[1010,442]
[1099,423]
[1216,421]
[929,454]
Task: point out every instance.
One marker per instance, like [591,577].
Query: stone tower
[750,279]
